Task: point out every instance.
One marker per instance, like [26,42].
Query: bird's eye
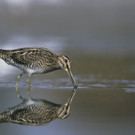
[66,60]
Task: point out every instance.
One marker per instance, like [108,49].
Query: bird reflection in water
[36,112]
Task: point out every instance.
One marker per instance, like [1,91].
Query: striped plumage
[36,112]
[36,60]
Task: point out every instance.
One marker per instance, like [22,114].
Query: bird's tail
[3,53]
[2,118]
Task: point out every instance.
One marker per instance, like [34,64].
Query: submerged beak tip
[75,86]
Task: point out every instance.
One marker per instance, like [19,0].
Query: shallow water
[96,111]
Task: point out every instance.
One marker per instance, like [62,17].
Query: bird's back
[30,58]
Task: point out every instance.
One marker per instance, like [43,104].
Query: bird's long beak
[72,78]
[71,97]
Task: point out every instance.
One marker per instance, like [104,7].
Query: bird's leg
[30,86]
[17,91]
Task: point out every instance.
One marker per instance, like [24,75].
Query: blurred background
[99,37]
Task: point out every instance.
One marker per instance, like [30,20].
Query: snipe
[36,60]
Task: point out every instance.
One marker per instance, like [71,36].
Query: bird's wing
[27,55]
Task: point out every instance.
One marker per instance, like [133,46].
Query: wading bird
[36,60]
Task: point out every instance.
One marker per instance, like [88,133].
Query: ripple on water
[83,83]
[129,90]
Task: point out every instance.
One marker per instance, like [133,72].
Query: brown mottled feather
[32,58]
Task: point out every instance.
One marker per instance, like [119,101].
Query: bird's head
[65,64]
